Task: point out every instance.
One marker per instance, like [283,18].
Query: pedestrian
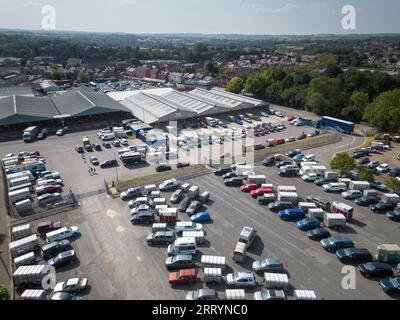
[90,170]
[94,170]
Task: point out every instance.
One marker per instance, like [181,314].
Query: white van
[62,234]
[182,246]
[187,226]
[335,187]
[108,136]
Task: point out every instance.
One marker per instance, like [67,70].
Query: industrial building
[159,106]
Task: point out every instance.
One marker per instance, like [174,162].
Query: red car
[260,192]
[302,136]
[48,189]
[249,187]
[183,276]
[363,161]
[279,141]
[291,118]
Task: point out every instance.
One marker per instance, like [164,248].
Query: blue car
[291,214]
[308,224]
[238,121]
[298,157]
[200,217]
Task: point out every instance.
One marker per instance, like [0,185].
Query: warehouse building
[159,106]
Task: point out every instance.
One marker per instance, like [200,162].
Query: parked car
[308,224]
[182,164]
[381,207]
[72,285]
[375,270]
[180,262]
[335,243]
[229,175]
[293,153]
[280,205]
[183,276]
[383,168]
[358,155]
[311,177]
[367,201]
[318,234]
[320,202]
[184,204]
[52,249]
[163,167]
[270,161]
[352,194]
[379,185]
[353,255]
[48,198]
[241,279]
[221,171]
[249,187]
[291,214]
[391,286]
[200,217]
[62,131]
[363,161]
[202,294]
[94,161]
[234,182]
[160,237]
[393,215]
[63,259]
[177,196]
[283,163]
[270,295]
[168,185]
[65,296]
[109,164]
[259,192]
[106,145]
[271,265]
[79,149]
[193,208]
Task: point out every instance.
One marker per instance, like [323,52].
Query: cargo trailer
[276,281]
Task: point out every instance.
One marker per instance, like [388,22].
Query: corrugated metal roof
[217,99]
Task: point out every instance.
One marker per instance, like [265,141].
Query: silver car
[352,194]
[270,295]
[202,294]
[241,279]
[271,265]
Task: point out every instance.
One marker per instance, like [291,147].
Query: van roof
[246,232]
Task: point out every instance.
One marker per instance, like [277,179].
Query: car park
[271,265]
[318,234]
[353,255]
[72,285]
[335,243]
[375,270]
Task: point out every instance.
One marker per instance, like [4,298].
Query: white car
[241,279]
[142,209]
[124,141]
[170,184]
[139,201]
[188,226]
[311,177]
[264,114]
[383,168]
[72,285]
[290,139]
[279,114]
[308,158]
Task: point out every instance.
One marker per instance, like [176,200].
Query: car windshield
[395,281]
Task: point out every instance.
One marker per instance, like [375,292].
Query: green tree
[83,77]
[4,294]
[384,111]
[358,100]
[236,85]
[365,174]
[393,184]
[343,162]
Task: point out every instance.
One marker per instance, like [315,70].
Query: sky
[266,17]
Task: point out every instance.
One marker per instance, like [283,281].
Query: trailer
[160,207]
[22,231]
[204,197]
[317,213]
[235,294]
[287,189]
[21,186]
[388,253]
[193,192]
[168,215]
[345,180]
[305,295]
[241,169]
[156,227]
[213,275]
[30,275]
[346,210]
[318,170]
[31,294]
[20,181]
[18,195]
[24,245]
[288,196]
[213,262]
[155,194]
[24,260]
[20,174]
[391,198]
[370,193]
[305,206]
[197,235]
[185,187]
[334,220]
[338,124]
[276,281]
[24,205]
[159,201]
[359,185]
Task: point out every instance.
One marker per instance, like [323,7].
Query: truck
[30,275]
[20,232]
[305,295]
[317,213]
[24,245]
[276,281]
[388,253]
[129,158]
[359,185]
[169,215]
[288,196]
[346,210]
[390,198]
[338,125]
[257,179]
[18,195]
[334,220]
[30,133]
[87,145]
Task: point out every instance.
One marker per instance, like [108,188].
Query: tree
[343,162]
[236,85]
[384,111]
[393,184]
[365,174]
[4,295]
[83,77]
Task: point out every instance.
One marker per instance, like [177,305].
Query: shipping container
[338,124]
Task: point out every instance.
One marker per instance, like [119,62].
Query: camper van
[182,246]
[33,167]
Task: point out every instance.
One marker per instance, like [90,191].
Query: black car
[293,153]
[97,147]
[54,248]
[381,207]
[394,172]
[161,237]
[358,155]
[379,185]
[109,164]
[375,269]
[283,163]
[163,167]
[391,286]
[182,164]
[107,145]
[321,182]
[63,259]
[221,171]
[184,204]
[143,218]
[366,201]
[320,202]
[229,175]
[270,161]
[288,172]
[318,234]
[280,205]
[43,134]
[234,182]
[352,175]
[354,255]
[393,215]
